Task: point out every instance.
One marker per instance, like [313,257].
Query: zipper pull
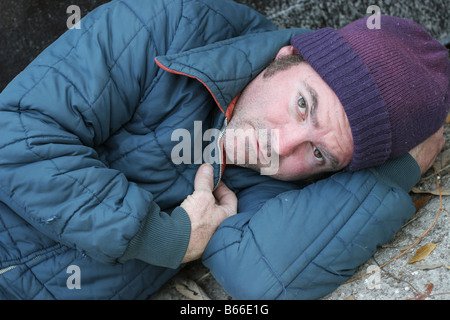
[221,152]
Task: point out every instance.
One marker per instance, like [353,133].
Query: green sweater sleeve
[162,239]
[403,172]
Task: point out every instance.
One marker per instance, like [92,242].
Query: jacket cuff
[162,239]
[403,172]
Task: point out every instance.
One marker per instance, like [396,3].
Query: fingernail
[207,169]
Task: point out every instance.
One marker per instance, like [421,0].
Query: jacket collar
[226,67]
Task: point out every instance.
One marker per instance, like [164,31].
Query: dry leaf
[426,266]
[190,289]
[429,287]
[421,202]
[448,267]
[448,119]
[434,192]
[423,252]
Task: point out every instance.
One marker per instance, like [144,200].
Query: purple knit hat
[393,83]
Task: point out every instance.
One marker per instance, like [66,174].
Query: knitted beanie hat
[393,83]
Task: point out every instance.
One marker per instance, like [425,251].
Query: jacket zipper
[225,124]
[5,270]
[12,267]
[221,160]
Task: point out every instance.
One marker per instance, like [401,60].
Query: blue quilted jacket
[89,194]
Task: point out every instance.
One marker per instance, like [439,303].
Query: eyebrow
[313,114]
[334,161]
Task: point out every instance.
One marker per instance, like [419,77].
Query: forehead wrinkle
[334,161]
[341,139]
[315,103]
[315,121]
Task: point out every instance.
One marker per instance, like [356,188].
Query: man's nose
[290,140]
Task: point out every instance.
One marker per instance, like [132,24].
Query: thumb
[204,178]
[226,199]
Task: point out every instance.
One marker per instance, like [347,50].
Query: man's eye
[301,103]
[317,154]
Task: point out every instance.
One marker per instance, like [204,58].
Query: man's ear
[286,51]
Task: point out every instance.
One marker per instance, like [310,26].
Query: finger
[204,178]
[223,193]
[226,198]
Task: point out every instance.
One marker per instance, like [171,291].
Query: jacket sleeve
[302,244]
[57,113]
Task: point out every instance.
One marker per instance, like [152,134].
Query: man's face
[301,120]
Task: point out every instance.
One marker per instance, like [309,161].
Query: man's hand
[425,153]
[207,210]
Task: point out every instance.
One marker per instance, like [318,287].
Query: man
[93,204]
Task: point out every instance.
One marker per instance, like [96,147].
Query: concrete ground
[28,27]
